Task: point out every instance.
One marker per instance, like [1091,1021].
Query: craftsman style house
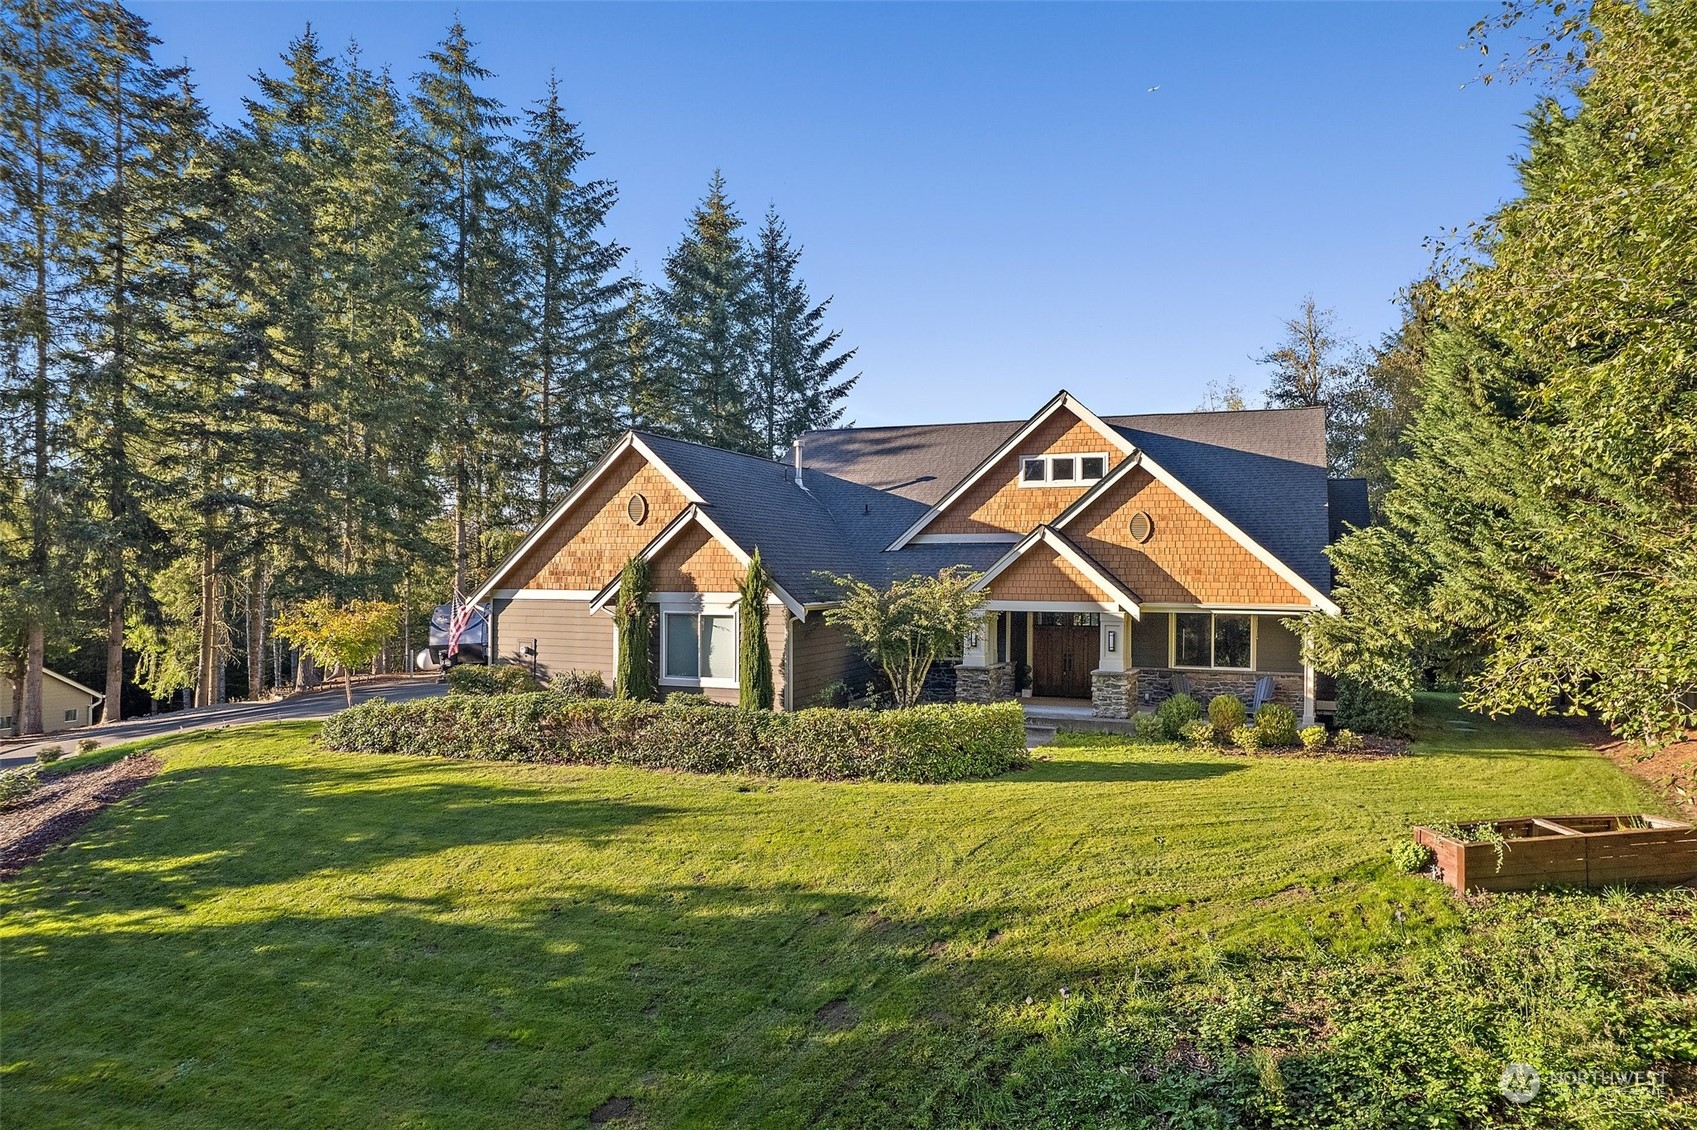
[1121,555]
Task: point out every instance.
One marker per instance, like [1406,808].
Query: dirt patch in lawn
[1671,770]
[61,805]
[837,1016]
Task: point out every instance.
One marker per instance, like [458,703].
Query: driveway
[312,705]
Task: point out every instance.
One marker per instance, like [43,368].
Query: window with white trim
[71,714]
[1062,470]
[1216,640]
[698,648]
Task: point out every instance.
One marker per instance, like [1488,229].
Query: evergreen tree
[131,122]
[633,674]
[754,656]
[474,325]
[1545,513]
[570,298]
[708,338]
[797,385]
[41,44]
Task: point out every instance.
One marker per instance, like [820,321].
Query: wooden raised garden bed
[1562,851]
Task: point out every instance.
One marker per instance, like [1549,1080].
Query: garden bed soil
[61,805]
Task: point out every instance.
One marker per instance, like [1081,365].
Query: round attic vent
[1142,527]
[637,509]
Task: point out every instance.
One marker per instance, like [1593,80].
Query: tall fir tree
[708,340]
[571,297]
[798,377]
[41,44]
[474,328]
[131,123]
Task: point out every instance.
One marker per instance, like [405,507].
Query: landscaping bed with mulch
[62,804]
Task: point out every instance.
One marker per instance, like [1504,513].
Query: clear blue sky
[999,203]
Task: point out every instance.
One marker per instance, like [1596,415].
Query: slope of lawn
[268,934]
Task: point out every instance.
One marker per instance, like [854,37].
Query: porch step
[1077,722]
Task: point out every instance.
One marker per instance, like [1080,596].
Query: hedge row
[927,744]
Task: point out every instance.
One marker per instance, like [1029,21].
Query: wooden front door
[1063,653]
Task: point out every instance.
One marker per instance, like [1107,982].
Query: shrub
[1175,713]
[16,784]
[507,678]
[579,684]
[1199,733]
[1148,728]
[835,694]
[1410,856]
[1347,741]
[1247,738]
[1313,738]
[1276,725]
[680,699]
[48,754]
[88,745]
[924,744]
[1373,711]
[1226,713]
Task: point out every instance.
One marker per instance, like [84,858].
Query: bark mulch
[61,805]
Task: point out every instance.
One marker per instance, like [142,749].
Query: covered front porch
[1067,637]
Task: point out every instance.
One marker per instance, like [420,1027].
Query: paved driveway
[316,704]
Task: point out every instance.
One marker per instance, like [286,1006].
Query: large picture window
[699,648]
[1209,639]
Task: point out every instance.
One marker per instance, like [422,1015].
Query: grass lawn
[271,935]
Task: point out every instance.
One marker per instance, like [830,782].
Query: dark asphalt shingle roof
[1264,470]
[1348,506]
[834,526]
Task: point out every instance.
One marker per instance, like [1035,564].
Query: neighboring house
[65,704]
[1120,554]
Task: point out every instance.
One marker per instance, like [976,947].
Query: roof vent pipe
[798,481]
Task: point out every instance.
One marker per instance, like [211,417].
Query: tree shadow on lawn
[702,1003]
[1057,768]
[195,832]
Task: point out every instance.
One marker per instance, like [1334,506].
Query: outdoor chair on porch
[1263,694]
[1181,683]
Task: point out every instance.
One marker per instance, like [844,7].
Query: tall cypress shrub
[634,677]
[754,659]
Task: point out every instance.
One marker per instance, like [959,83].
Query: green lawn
[271,935]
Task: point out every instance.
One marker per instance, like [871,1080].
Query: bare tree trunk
[35,663]
[15,673]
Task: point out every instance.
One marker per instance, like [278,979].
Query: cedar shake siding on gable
[1044,575]
[594,539]
[1188,560]
[694,561]
[997,503]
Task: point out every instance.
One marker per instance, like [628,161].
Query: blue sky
[996,199]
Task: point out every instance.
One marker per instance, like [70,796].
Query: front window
[700,648]
[1207,639]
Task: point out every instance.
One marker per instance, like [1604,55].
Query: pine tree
[707,338]
[570,297]
[474,325]
[797,386]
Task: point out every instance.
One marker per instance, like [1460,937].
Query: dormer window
[1062,470]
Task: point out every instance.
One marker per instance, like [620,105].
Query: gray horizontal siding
[568,637]
[823,656]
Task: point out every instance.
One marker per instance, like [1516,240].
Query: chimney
[798,481]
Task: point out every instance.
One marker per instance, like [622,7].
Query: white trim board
[1062,400]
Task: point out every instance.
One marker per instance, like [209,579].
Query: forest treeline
[352,344]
